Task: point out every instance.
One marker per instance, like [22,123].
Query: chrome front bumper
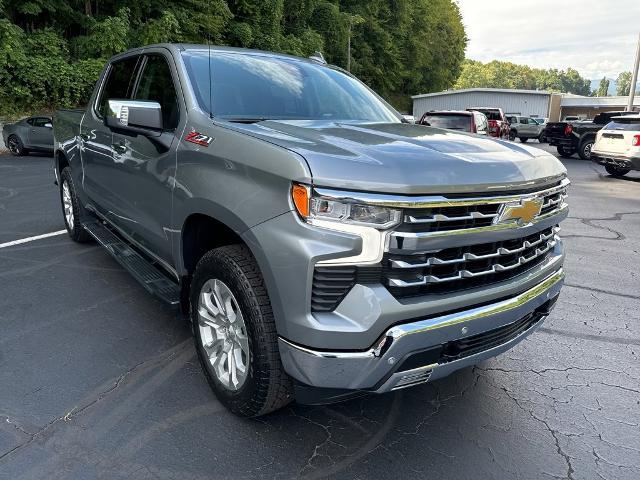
[376,369]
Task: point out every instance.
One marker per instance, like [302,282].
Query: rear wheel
[72,210]
[523,139]
[584,151]
[512,135]
[235,333]
[616,171]
[16,147]
[564,151]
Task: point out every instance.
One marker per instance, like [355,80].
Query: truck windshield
[449,121]
[248,87]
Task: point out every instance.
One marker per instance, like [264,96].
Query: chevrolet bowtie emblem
[523,212]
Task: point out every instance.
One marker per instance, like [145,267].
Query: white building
[521,102]
[553,106]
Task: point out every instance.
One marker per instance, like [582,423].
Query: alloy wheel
[13,145]
[67,205]
[223,334]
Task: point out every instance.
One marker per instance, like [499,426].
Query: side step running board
[151,277]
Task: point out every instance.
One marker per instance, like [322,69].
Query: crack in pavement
[599,290]
[589,222]
[74,412]
[590,336]
[554,433]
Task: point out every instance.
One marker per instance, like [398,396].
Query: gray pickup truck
[321,247]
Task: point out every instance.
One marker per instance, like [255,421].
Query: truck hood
[408,159]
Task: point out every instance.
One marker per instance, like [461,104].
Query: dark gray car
[321,247]
[29,134]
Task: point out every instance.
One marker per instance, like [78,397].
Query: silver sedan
[29,134]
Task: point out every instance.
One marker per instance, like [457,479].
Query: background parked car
[498,123]
[462,121]
[524,128]
[32,133]
[577,136]
[617,145]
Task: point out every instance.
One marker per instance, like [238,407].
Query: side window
[118,83]
[40,121]
[31,121]
[156,85]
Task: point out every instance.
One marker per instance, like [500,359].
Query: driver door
[40,133]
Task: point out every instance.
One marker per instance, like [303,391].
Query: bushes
[51,53]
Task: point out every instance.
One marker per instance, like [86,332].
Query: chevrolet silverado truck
[579,136]
[320,247]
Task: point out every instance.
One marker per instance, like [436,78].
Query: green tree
[51,52]
[603,88]
[623,83]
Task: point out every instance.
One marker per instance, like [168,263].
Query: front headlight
[370,222]
[312,207]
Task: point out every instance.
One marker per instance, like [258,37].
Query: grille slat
[466,267]
[459,217]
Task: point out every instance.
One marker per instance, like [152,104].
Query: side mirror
[134,116]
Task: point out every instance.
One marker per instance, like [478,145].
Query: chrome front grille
[455,214]
[454,243]
[469,262]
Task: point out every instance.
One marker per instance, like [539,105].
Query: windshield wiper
[247,119]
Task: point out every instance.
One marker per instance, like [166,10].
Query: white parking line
[31,239]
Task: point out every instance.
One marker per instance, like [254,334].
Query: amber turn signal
[300,195]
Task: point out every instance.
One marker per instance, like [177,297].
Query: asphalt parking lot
[99,380]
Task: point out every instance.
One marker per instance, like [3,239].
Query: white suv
[617,145]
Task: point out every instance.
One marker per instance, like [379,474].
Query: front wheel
[16,147]
[512,135]
[616,171]
[565,152]
[235,333]
[585,149]
[72,210]
[542,138]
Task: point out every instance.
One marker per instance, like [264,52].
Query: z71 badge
[199,139]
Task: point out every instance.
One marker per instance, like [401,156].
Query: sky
[596,37]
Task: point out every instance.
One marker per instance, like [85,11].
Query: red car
[498,123]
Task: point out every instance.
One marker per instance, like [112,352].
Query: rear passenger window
[156,85]
[119,82]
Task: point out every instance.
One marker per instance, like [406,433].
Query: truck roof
[203,48]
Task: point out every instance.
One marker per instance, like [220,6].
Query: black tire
[565,152]
[75,230]
[584,151]
[523,139]
[16,147]
[267,387]
[616,171]
[512,135]
[542,138]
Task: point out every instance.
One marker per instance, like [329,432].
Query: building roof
[613,101]
[486,90]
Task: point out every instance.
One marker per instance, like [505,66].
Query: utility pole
[634,77]
[349,48]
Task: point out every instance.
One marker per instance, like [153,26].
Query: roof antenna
[318,57]
[210,83]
